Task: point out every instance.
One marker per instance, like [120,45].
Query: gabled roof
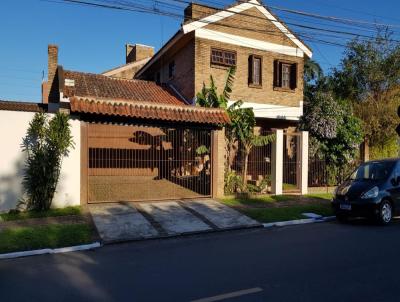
[101,95]
[22,106]
[228,12]
[103,87]
[220,15]
[118,69]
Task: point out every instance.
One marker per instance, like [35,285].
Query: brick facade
[183,79]
[241,89]
[193,66]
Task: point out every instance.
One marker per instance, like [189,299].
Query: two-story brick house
[268,57]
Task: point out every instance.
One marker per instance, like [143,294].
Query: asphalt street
[316,262]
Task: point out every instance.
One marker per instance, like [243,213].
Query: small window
[171,69]
[285,75]
[255,71]
[223,57]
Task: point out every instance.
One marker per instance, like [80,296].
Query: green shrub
[47,141]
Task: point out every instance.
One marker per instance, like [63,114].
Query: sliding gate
[139,163]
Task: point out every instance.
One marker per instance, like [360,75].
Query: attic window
[223,57]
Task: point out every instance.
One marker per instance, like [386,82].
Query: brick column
[218,163]
[303,183]
[277,163]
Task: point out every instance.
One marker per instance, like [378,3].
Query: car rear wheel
[385,212]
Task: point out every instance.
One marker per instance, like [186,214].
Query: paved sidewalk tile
[116,222]
[221,215]
[173,218]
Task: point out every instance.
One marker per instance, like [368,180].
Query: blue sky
[92,39]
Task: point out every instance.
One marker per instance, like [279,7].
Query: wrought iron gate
[138,163]
[291,161]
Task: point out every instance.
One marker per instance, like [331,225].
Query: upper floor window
[285,75]
[171,69]
[255,70]
[223,57]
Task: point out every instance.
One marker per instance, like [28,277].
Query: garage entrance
[141,163]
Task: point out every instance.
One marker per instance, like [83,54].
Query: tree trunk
[246,161]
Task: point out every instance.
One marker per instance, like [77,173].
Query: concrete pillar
[277,163]
[218,163]
[303,179]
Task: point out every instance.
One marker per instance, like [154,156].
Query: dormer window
[223,57]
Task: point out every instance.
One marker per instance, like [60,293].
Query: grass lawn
[36,214]
[49,236]
[281,208]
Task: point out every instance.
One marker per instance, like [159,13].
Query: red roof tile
[97,86]
[189,114]
[22,106]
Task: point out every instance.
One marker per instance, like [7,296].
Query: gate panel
[138,163]
[291,162]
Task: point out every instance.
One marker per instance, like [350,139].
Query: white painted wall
[13,126]
[277,163]
[274,111]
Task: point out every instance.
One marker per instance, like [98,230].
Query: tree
[312,71]
[336,133]
[243,128]
[369,77]
[47,141]
[208,97]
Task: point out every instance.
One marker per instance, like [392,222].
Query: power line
[134,7]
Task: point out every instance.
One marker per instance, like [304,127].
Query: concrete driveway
[143,220]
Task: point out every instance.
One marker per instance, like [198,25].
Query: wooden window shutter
[293,76]
[277,73]
[250,80]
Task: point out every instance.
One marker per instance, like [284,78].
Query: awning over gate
[102,95]
[141,110]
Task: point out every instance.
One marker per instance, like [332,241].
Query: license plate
[346,207]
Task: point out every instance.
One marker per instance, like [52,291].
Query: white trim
[75,248]
[160,53]
[195,25]
[247,42]
[274,111]
[299,221]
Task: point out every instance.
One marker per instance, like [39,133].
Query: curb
[75,248]
[298,222]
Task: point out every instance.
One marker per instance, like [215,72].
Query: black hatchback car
[372,190]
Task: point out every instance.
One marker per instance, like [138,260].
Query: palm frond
[230,78]
[262,140]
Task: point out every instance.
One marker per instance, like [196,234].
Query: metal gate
[139,163]
[291,161]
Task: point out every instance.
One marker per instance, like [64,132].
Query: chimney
[52,82]
[137,52]
[195,12]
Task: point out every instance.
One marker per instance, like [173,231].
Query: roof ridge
[109,78]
